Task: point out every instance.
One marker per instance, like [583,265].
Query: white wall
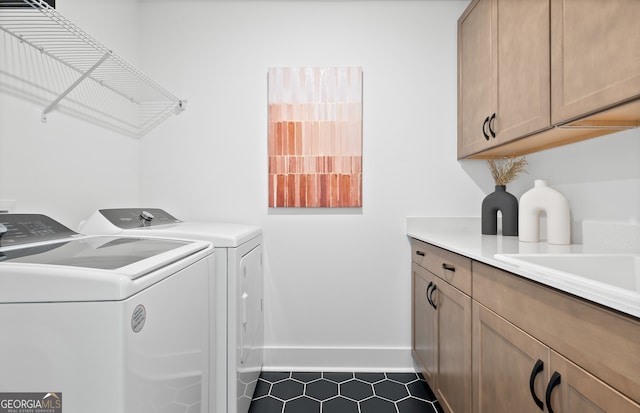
[66,168]
[600,177]
[337,280]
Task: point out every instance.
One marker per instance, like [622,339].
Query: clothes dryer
[101,324]
[236,297]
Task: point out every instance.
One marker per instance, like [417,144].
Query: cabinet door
[580,392]
[425,345]
[602,341]
[474,76]
[503,72]
[453,383]
[504,360]
[522,94]
[595,55]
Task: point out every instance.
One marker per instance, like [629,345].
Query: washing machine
[237,327]
[101,324]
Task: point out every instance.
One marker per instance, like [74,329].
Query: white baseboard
[338,359]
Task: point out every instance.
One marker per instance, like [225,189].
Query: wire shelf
[47,59]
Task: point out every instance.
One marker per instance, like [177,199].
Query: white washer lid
[220,234]
[91,268]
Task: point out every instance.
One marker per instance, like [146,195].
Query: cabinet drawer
[451,267]
[602,341]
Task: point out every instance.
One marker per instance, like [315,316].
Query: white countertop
[463,236]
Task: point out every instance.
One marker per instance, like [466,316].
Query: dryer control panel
[128,218]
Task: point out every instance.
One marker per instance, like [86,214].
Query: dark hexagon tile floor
[329,392]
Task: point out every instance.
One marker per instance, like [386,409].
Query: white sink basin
[615,270]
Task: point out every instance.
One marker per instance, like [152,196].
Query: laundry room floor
[315,392]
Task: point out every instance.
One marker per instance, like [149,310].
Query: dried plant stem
[507,169]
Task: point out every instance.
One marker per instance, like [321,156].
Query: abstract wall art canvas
[315,137]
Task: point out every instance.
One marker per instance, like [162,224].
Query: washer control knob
[146,217]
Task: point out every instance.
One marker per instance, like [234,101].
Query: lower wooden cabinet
[504,361]
[580,392]
[514,372]
[505,344]
[442,339]
[453,380]
[599,340]
[425,344]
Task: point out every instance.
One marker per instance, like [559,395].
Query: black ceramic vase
[503,201]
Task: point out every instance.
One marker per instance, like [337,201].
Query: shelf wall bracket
[180,107]
[85,75]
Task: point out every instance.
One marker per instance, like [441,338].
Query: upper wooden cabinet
[595,56]
[537,74]
[474,78]
[503,73]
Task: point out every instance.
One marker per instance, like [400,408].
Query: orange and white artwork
[315,137]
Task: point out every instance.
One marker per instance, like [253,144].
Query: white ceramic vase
[541,198]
